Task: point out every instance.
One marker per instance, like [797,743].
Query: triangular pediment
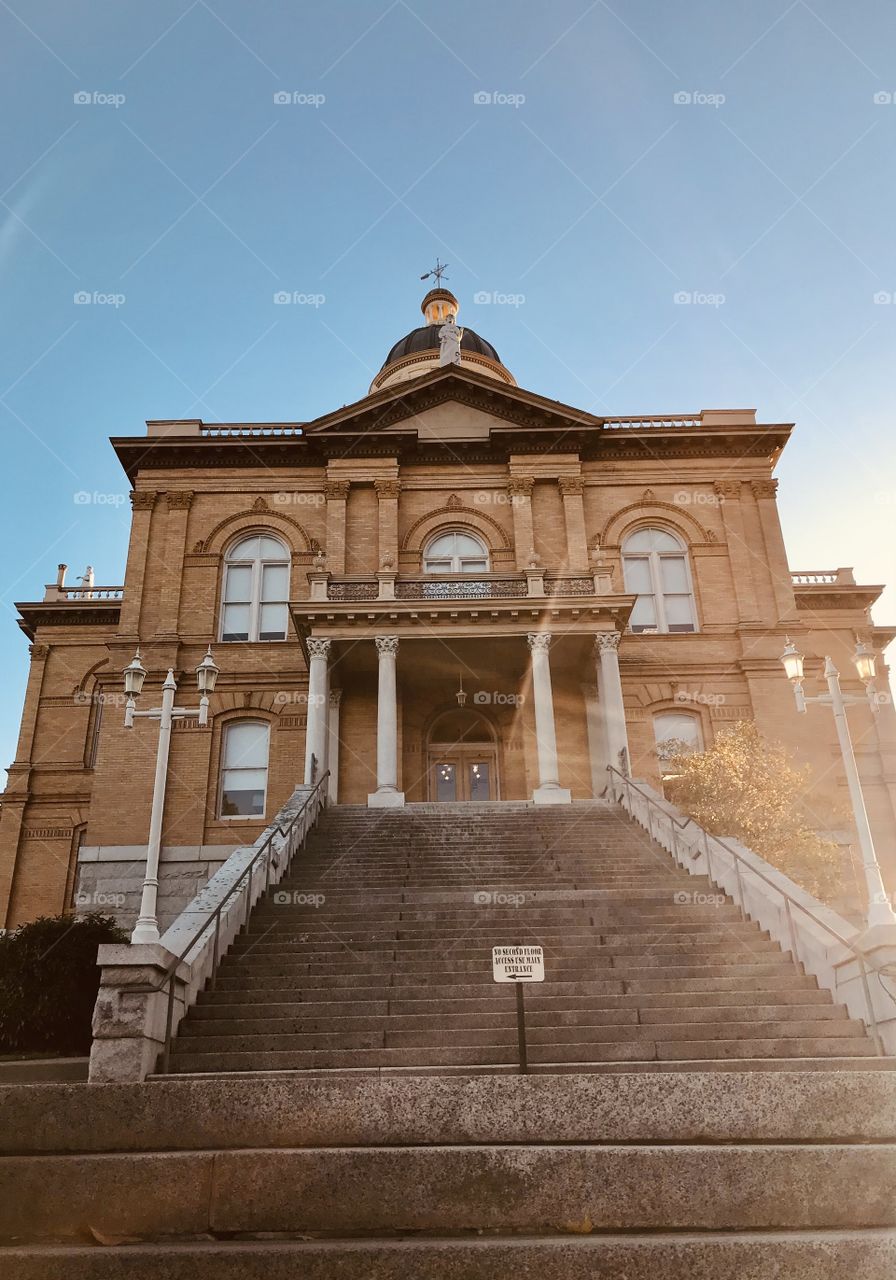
[449,404]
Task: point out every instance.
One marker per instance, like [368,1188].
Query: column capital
[727,489]
[764,488]
[539,641]
[386,646]
[318,647]
[387,488]
[335,697]
[571,486]
[607,641]
[336,490]
[179,499]
[141,500]
[520,486]
[39,652]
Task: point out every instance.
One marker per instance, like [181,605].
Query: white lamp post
[147,927]
[880,911]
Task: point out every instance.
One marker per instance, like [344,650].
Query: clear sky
[632,151]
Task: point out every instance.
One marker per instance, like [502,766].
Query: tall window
[244,769]
[456,553]
[256,589]
[675,733]
[655,569]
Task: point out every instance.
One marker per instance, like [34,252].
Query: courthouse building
[449,590]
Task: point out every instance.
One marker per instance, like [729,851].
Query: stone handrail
[236,430]
[854,966]
[659,420]
[78,594]
[823,577]
[145,989]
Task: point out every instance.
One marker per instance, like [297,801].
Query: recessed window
[655,569]
[456,553]
[244,769]
[256,590]
[675,732]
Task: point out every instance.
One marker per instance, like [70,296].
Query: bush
[49,978]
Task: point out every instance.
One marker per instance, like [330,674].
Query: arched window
[675,733]
[456,552]
[655,569]
[256,589]
[244,769]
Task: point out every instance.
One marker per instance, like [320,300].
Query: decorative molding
[141,500]
[335,697]
[648,496]
[38,652]
[47,833]
[764,488]
[680,518]
[387,488]
[179,499]
[571,486]
[727,489]
[205,544]
[475,518]
[336,490]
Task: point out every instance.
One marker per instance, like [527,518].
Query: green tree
[747,787]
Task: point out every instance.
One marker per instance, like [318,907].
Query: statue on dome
[450,336]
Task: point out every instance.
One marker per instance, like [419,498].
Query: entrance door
[462,775]
[462,757]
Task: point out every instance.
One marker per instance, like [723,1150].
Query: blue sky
[185,193]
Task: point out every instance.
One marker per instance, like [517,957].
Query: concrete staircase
[375,955]
[691,1176]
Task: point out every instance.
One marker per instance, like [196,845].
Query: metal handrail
[789,900]
[317,795]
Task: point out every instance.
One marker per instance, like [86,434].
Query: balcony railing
[824,578]
[663,422]
[445,588]
[79,594]
[520,586]
[237,430]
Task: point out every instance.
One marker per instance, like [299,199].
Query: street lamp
[147,927]
[880,911]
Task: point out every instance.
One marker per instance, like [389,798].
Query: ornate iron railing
[569,586]
[352,590]
[438,588]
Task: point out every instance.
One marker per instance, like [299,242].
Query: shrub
[49,978]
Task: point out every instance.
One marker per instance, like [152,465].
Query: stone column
[336,494]
[387,795]
[19,782]
[138,551]
[519,489]
[739,553]
[572,489]
[548,790]
[387,492]
[318,708]
[764,492]
[597,744]
[606,646]
[179,503]
[333,746]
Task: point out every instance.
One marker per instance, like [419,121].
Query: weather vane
[437,272]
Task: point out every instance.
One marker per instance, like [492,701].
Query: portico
[439,707]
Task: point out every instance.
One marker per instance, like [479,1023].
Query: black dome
[427,339]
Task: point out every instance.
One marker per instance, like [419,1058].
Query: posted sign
[518,964]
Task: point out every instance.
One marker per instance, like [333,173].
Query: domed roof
[426,338]
[419,351]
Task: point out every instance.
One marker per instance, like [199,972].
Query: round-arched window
[456,552]
[655,569]
[256,590]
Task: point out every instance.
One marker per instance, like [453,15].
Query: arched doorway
[462,758]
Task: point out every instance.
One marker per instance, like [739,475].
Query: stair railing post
[791,928]
[869,1003]
[740,888]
